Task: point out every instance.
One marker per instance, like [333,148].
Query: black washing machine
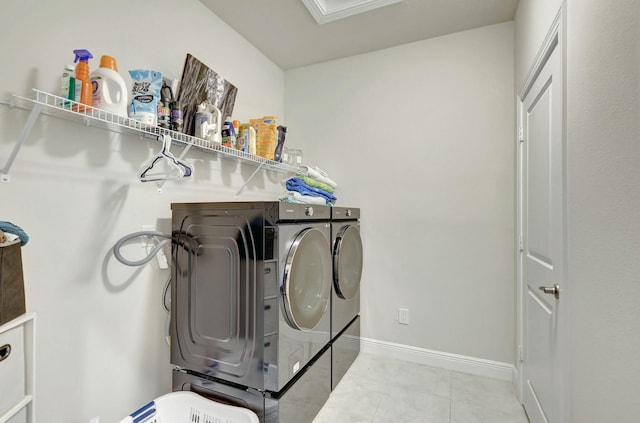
[250,304]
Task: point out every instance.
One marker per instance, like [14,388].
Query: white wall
[101,328]
[604,202]
[420,137]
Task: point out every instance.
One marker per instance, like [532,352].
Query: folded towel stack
[297,198]
[310,186]
[315,183]
[318,174]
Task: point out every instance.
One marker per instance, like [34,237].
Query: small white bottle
[109,88]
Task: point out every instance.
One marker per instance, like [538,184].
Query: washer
[347,257]
[251,292]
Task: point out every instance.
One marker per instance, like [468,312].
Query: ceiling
[287,33]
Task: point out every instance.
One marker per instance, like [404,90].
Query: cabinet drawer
[12,368]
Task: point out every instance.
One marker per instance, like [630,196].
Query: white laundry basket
[187,407]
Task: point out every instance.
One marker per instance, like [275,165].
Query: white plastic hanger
[177,168]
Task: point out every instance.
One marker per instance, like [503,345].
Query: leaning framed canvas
[199,84]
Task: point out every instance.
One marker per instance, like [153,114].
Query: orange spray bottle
[82,76]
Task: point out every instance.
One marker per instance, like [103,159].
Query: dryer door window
[307,280]
[347,262]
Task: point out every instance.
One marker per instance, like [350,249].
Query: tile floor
[377,390]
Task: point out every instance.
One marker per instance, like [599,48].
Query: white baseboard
[455,362]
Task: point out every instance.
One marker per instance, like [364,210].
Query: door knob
[555,290]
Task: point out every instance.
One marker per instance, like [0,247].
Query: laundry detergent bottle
[109,89]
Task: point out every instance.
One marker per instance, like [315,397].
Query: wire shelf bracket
[33,117]
[249,180]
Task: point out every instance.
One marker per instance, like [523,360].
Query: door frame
[555,39]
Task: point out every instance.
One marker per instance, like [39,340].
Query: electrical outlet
[162,260]
[403,316]
[146,242]
[149,243]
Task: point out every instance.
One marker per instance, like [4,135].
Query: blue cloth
[10,228]
[298,185]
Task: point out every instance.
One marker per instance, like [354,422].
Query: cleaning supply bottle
[164,106]
[67,85]
[82,76]
[282,134]
[247,138]
[177,117]
[228,133]
[236,129]
[109,91]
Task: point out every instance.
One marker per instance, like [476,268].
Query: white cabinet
[17,371]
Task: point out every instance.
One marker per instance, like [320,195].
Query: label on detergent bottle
[96,81]
[201,124]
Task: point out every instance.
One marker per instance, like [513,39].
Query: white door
[542,242]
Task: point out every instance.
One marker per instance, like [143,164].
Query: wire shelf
[70,110]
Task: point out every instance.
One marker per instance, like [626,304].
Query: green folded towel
[315,183]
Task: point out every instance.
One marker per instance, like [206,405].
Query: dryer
[250,295]
[347,255]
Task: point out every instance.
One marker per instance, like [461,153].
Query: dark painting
[199,83]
